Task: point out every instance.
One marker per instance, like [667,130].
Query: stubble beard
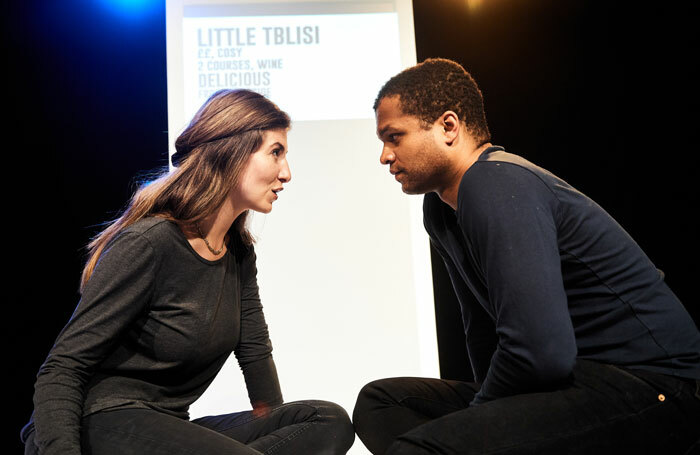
[428,173]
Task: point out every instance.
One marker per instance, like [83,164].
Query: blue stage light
[134,9]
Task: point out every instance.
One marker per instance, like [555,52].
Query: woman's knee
[343,431]
[335,424]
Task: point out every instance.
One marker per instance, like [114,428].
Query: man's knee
[406,447]
[379,392]
[372,395]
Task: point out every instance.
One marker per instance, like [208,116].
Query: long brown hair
[210,155]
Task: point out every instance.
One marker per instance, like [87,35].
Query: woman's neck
[214,230]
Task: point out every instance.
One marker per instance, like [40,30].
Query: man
[576,343]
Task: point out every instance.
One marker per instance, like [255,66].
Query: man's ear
[450,125]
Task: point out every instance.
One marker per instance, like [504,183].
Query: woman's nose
[285,174]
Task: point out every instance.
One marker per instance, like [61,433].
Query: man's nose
[387,156]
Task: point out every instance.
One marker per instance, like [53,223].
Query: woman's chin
[266,209]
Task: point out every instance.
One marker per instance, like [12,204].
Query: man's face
[411,151]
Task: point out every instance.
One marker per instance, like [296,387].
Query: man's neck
[450,192]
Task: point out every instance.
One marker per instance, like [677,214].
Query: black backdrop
[601,93]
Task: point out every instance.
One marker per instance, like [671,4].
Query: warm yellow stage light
[474,4]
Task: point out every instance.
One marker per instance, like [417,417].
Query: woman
[168,291]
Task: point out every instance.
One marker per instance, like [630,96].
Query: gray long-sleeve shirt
[554,278]
[154,326]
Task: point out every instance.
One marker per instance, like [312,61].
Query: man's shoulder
[499,155]
[499,163]
[496,167]
[500,173]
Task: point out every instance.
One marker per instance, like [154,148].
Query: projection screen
[343,260]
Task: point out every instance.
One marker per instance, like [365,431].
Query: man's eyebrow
[381,132]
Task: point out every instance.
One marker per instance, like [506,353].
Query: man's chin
[412,189]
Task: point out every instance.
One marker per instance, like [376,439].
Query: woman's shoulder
[150,223]
[157,231]
[153,227]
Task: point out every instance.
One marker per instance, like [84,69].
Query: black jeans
[606,410]
[302,427]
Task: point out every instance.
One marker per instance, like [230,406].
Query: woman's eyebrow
[278,144]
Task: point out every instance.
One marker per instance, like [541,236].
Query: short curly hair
[437,85]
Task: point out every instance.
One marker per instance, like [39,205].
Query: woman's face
[264,174]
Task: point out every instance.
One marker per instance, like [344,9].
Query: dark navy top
[556,277]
